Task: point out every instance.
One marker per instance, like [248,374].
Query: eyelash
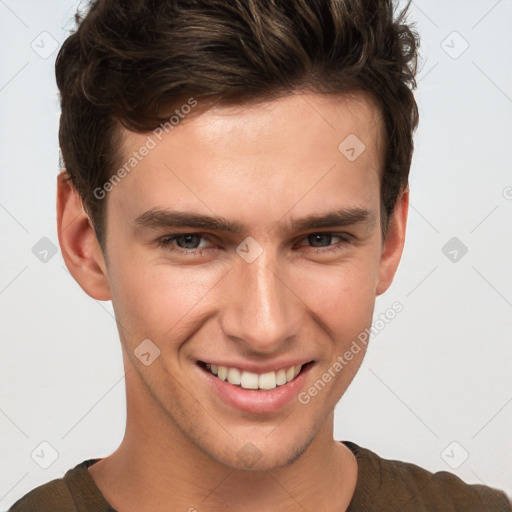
[166,243]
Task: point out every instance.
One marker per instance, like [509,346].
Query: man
[236,182]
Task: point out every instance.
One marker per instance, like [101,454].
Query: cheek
[344,295]
[161,301]
[155,300]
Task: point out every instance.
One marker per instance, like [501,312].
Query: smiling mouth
[249,380]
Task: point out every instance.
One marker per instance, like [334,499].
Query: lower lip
[255,401]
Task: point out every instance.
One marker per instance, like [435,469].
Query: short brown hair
[129,61]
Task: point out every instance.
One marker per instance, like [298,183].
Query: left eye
[317,237]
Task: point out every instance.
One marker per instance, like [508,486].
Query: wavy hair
[129,62]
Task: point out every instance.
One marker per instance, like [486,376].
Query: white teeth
[281,377]
[234,376]
[267,380]
[249,380]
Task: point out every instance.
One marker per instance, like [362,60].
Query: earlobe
[394,242]
[79,245]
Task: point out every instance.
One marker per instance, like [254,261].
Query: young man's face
[269,296]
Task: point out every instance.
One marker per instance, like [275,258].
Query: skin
[259,165]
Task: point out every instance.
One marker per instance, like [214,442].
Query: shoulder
[396,485]
[74,492]
[53,496]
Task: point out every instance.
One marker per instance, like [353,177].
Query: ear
[394,243]
[78,243]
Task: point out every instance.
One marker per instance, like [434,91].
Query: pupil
[316,237]
[187,237]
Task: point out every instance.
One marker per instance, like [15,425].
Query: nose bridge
[261,310]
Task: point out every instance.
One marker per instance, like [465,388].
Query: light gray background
[440,372]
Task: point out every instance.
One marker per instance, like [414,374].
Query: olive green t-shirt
[382,486]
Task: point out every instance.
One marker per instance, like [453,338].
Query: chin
[261,454]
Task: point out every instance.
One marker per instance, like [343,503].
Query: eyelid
[342,234]
[162,240]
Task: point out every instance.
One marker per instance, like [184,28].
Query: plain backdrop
[435,388]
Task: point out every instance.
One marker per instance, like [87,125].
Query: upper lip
[259,368]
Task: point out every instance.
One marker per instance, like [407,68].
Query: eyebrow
[156,218]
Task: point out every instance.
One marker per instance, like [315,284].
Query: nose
[262,310]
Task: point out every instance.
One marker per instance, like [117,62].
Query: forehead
[306,146]
[354,113]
